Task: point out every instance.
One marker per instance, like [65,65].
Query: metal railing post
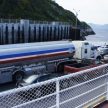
[106,87]
[57,94]
[107,91]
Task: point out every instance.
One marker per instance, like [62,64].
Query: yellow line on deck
[95,102]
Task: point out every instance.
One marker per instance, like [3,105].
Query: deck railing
[83,89]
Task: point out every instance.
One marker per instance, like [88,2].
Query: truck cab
[86,50]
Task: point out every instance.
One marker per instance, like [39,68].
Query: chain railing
[78,90]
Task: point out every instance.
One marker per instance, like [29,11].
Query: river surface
[101,34]
[98,37]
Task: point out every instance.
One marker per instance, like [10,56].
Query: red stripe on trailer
[27,58]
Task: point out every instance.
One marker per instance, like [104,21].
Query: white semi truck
[86,50]
[19,60]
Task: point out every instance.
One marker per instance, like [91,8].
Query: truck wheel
[98,59]
[18,76]
[60,68]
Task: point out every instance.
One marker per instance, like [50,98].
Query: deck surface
[103,105]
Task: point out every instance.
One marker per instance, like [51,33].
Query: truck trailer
[19,60]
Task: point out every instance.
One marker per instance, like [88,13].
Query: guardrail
[79,90]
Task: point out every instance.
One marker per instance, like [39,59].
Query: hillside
[41,10]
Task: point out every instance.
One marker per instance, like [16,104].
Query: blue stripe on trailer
[35,53]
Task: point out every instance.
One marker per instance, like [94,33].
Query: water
[97,37]
[101,36]
[98,40]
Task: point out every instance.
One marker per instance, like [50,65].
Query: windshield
[31,79]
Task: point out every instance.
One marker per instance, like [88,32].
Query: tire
[98,59]
[18,76]
[60,68]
